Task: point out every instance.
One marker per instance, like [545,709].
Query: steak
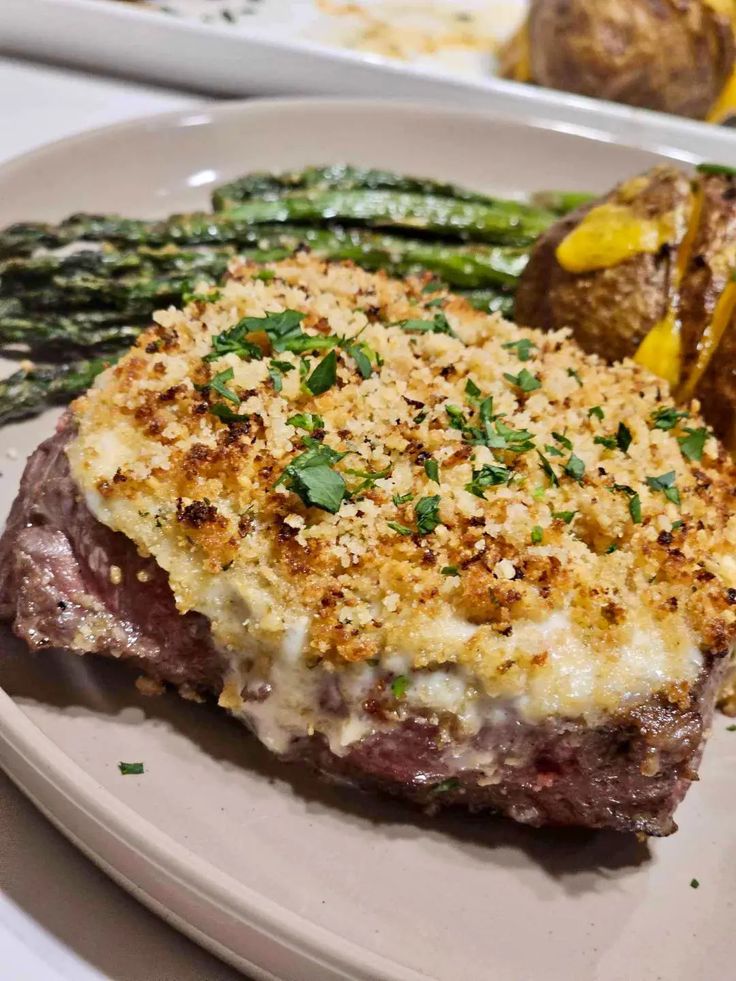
[60,586]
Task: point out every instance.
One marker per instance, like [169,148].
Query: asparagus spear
[65,335]
[29,391]
[343,177]
[501,223]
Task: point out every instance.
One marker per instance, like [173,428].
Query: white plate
[260,862]
[291,48]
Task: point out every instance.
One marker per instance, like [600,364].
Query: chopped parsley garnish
[634,501]
[571,373]
[613,547]
[553,450]
[489,475]
[621,441]
[218,384]
[598,412]
[492,431]
[523,348]
[565,516]
[265,275]
[676,525]
[525,380]
[276,372]
[311,476]
[623,437]
[419,418]
[324,375]
[666,484]
[427,513]
[131,769]
[575,468]
[562,440]
[306,420]
[692,445]
[694,884]
[361,354]
[400,499]
[432,470]
[472,392]
[452,570]
[368,480]
[401,529]
[667,417]
[731,728]
[225,413]
[548,470]
[608,441]
[439,324]
[399,686]
[433,286]
[537,535]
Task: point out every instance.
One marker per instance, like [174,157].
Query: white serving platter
[279,874]
[291,47]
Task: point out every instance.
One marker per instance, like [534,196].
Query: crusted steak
[463,633]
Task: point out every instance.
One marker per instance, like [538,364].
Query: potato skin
[611,310]
[717,389]
[711,262]
[670,55]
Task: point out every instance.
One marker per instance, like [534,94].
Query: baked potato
[672,55]
[670,302]
[587,272]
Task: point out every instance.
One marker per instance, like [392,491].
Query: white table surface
[60,917]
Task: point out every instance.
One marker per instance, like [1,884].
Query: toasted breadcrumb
[576,551]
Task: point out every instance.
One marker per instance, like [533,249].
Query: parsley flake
[306,420]
[399,686]
[432,470]
[439,324]
[131,769]
[452,570]
[523,348]
[400,499]
[489,475]
[276,372]
[598,412]
[694,884]
[427,513]
[324,375]
[571,373]
[635,508]
[667,417]
[562,440]
[575,468]
[312,478]
[525,380]
[565,516]
[692,445]
[401,529]
[666,484]
[623,437]
[537,535]
[548,469]
[217,384]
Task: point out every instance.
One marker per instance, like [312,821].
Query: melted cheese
[610,234]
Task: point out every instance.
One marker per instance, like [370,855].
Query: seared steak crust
[68,581]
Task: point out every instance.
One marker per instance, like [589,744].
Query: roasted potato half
[606,270]
[669,302]
[671,55]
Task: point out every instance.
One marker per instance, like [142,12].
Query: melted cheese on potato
[547,576]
